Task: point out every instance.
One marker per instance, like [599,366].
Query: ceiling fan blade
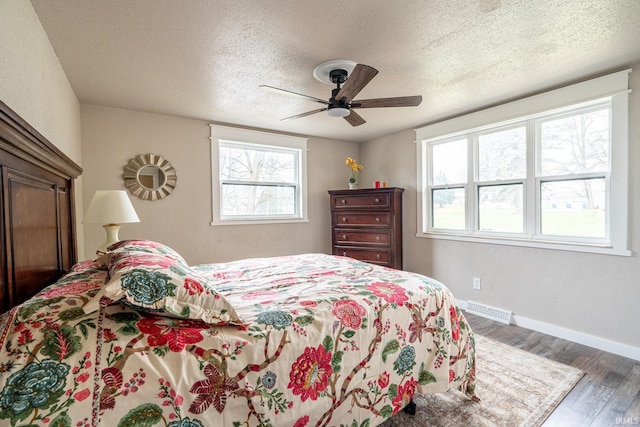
[308,113]
[400,101]
[299,95]
[355,119]
[357,80]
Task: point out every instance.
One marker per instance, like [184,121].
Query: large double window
[554,176]
[257,176]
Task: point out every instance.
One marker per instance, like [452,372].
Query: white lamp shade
[110,207]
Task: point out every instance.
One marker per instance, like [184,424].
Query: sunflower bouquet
[355,169]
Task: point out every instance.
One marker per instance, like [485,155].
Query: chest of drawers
[367,225]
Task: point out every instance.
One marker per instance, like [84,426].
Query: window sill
[257,221]
[559,246]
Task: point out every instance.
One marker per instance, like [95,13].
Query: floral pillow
[148,246]
[161,284]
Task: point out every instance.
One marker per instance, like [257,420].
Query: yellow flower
[355,168]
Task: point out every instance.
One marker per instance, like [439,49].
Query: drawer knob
[377,219]
[377,200]
[344,219]
[343,201]
[378,256]
[378,238]
[344,254]
[345,237]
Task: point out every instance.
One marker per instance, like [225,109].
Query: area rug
[516,388]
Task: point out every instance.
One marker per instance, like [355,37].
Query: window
[257,176]
[548,171]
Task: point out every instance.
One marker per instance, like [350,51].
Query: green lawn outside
[562,222]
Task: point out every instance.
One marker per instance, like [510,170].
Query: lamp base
[112,237]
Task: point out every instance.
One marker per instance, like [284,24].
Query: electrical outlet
[476,283]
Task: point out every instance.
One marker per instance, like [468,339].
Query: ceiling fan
[348,85]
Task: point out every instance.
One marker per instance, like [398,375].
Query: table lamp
[111,208]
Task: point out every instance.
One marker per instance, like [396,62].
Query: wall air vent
[493,313]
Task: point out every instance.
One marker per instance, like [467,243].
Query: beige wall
[596,295]
[33,84]
[182,220]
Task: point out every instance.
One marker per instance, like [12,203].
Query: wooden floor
[609,393]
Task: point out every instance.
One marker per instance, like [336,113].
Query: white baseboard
[614,347]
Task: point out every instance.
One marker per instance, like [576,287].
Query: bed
[139,337]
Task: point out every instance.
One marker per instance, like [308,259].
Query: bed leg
[410,408]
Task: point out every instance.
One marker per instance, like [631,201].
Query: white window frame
[613,87]
[277,142]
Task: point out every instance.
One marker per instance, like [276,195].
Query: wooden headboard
[37,210]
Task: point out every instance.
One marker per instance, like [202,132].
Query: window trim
[266,139]
[613,86]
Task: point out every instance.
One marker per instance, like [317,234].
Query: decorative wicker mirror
[149,177]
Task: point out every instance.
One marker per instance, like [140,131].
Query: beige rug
[516,388]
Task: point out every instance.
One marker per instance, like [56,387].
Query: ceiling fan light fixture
[338,112]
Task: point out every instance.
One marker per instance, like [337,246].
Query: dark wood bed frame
[37,210]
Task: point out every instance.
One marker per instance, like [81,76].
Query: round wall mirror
[149,177]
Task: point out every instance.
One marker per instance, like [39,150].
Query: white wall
[182,220]
[33,84]
[592,295]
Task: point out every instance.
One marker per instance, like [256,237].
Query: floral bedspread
[326,341]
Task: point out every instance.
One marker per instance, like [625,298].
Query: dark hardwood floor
[608,394]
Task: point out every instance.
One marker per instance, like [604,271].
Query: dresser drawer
[381,219]
[361,237]
[358,201]
[368,255]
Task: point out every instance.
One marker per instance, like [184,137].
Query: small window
[257,176]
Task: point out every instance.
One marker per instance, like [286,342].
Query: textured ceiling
[206,59]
